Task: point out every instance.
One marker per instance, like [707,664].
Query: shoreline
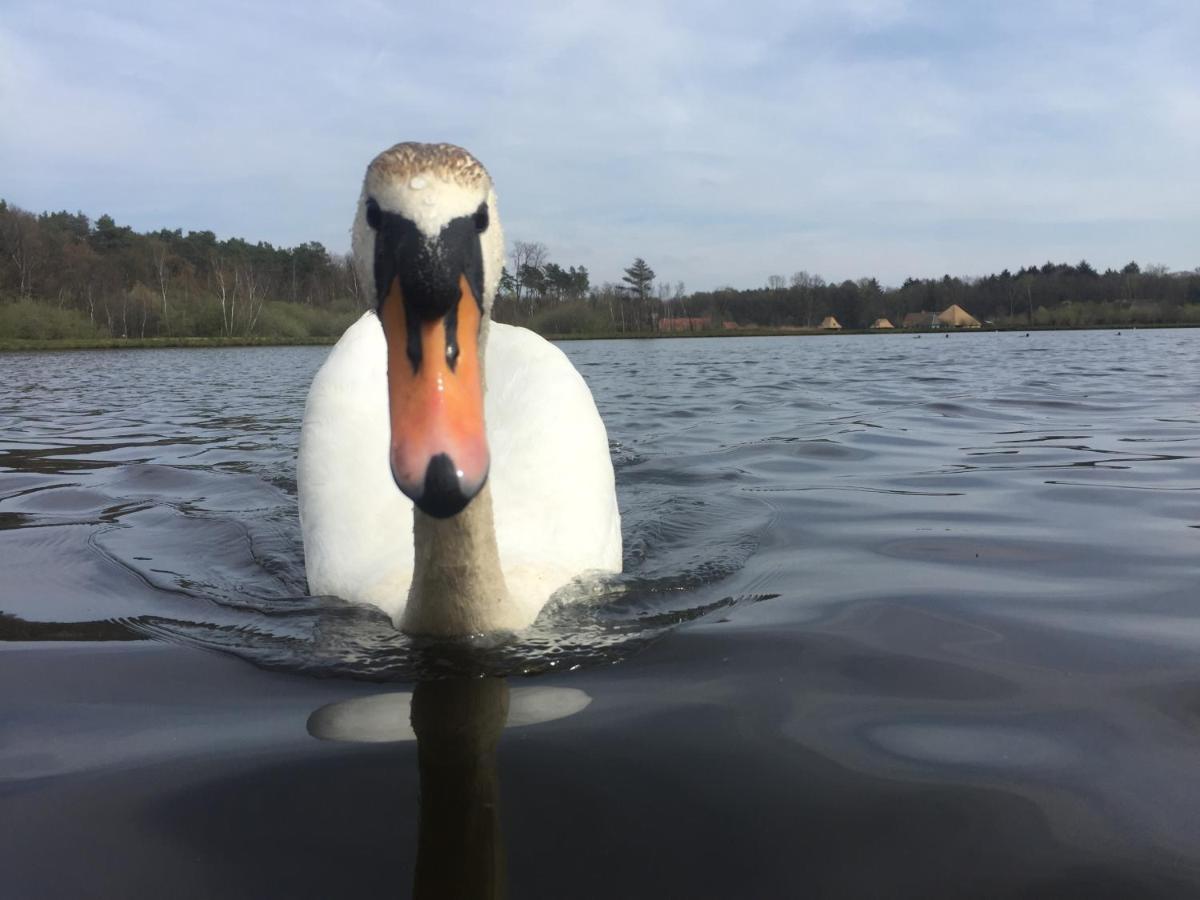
[18,345]
[816,332]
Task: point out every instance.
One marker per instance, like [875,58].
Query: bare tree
[352,279]
[144,300]
[531,254]
[23,243]
[246,279]
[679,293]
[227,297]
[807,284]
[1027,283]
[159,257]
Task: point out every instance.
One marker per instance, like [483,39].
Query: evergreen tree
[639,277]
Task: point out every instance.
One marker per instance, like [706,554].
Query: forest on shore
[65,277]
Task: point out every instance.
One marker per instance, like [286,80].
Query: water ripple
[135,490]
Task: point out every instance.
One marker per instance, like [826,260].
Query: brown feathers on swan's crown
[446,161]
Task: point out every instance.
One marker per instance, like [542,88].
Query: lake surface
[901,616]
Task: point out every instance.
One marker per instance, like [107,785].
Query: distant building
[922,319]
[882,323]
[681,323]
[954,316]
[829,323]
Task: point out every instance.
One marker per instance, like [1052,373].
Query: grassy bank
[38,325]
[111,343]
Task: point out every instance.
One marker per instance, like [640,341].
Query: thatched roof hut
[829,323]
[957,317]
[922,319]
[882,323]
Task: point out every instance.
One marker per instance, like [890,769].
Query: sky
[723,143]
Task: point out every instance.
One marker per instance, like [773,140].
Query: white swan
[506,513]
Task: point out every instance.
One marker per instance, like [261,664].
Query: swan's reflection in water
[456,724]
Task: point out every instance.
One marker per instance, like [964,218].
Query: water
[900,617]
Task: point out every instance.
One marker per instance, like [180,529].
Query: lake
[903,616]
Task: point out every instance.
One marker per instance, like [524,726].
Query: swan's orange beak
[439,451]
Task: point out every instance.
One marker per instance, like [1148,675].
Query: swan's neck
[457,585]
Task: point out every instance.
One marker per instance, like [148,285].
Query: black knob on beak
[444,493]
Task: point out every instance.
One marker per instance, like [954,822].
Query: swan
[452,471]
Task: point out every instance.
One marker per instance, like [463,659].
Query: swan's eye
[481,218]
[374,215]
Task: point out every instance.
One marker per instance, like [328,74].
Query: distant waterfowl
[408,501]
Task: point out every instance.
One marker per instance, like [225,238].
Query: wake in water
[679,548]
[179,523]
[329,638]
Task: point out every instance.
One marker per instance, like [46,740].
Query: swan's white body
[551,476]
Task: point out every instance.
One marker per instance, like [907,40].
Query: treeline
[1053,294]
[539,294]
[65,276]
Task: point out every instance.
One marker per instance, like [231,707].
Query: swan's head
[427,238]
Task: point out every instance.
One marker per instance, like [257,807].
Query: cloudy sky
[723,143]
